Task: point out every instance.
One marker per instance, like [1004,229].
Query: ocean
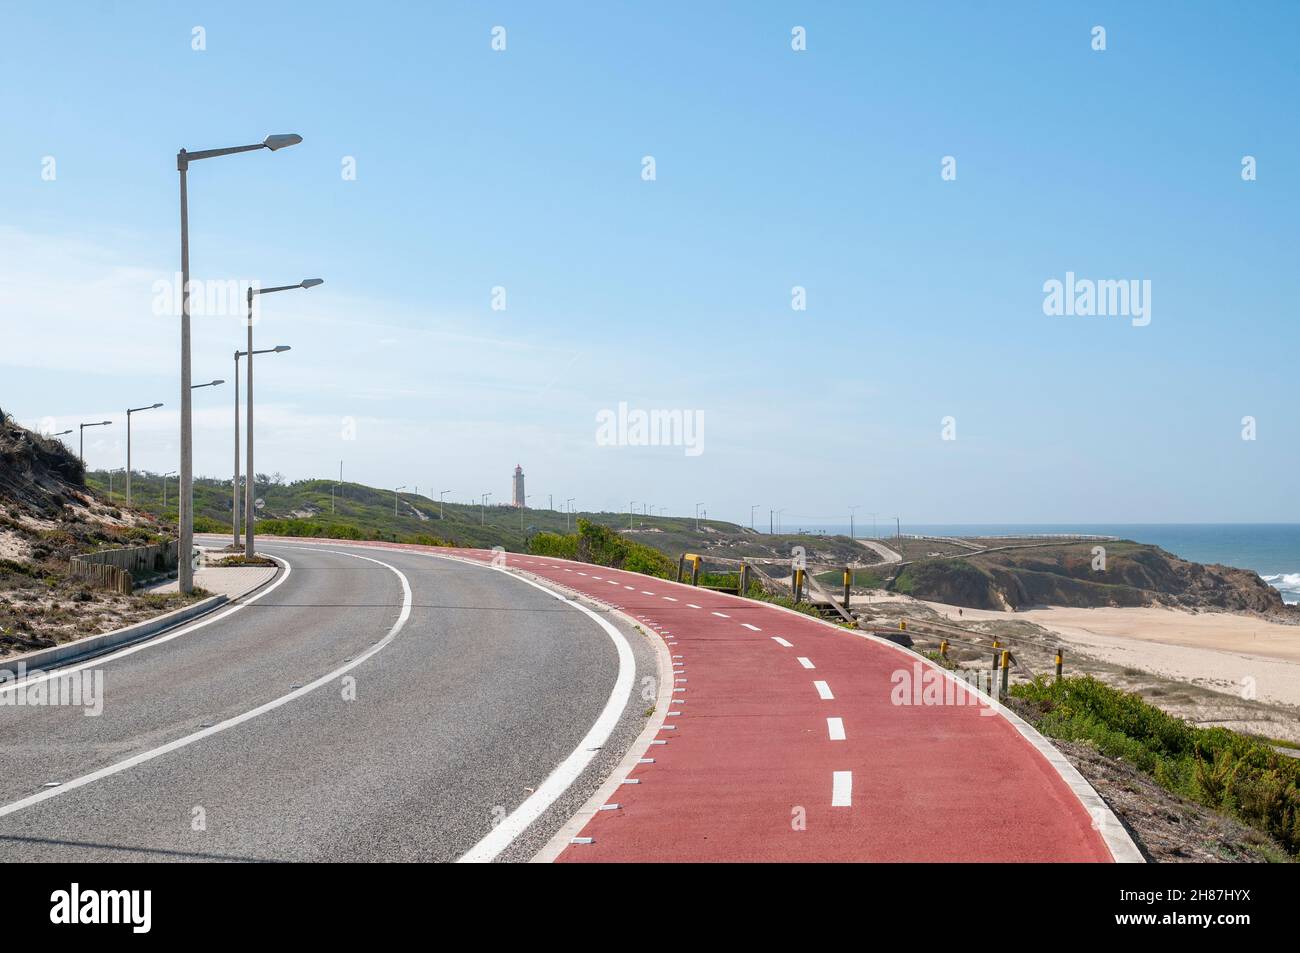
[1270,549]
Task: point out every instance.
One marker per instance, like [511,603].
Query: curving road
[367,705]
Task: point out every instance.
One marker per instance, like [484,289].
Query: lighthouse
[519,497]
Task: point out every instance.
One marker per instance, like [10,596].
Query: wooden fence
[116,568]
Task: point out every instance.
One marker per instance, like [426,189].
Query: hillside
[304,508]
[1135,574]
[48,515]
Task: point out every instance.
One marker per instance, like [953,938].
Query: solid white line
[185,629]
[220,726]
[571,767]
[823,690]
[806,663]
[752,627]
[842,789]
[835,726]
[780,641]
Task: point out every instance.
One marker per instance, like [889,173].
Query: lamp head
[281,142]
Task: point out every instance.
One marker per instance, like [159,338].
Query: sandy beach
[1219,650]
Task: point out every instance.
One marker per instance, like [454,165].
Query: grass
[1239,775]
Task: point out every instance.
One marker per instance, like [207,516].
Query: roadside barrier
[115,568]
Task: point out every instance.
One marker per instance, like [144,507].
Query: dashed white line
[780,641]
[670,598]
[835,727]
[806,663]
[842,789]
[692,605]
[722,615]
[752,628]
[823,690]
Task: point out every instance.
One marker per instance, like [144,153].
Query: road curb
[94,645]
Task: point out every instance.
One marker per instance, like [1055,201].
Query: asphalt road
[411,747]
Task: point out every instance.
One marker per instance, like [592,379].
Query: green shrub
[601,546]
[1219,768]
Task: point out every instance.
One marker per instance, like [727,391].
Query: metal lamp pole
[234,485]
[81,446]
[568,511]
[440,500]
[248,397]
[396,494]
[129,412]
[185,545]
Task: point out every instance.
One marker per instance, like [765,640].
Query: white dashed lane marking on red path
[780,641]
[823,690]
[835,728]
[842,789]
[806,663]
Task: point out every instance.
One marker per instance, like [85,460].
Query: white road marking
[753,628]
[835,726]
[644,593]
[806,663]
[568,771]
[722,615]
[842,789]
[780,641]
[275,703]
[694,606]
[823,690]
[670,598]
[625,587]
[185,629]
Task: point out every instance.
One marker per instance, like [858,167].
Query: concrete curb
[93,645]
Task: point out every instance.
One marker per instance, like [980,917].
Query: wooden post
[1006,669]
[943,650]
[1060,661]
[798,586]
[695,571]
[681,564]
[848,582]
[742,585]
[996,645]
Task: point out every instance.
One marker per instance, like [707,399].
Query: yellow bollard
[1060,662]
[943,650]
[902,624]
[1006,669]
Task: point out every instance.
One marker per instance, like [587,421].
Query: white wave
[1287,583]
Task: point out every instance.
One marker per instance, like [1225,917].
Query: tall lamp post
[396,495]
[568,504]
[185,575]
[165,476]
[440,499]
[248,397]
[482,513]
[81,438]
[234,486]
[129,412]
[852,510]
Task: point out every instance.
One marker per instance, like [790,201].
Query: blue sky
[775,168]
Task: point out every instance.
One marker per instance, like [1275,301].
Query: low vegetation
[602,546]
[1229,772]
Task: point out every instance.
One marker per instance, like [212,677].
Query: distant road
[881,550]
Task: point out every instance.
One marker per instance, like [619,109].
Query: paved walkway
[231,581]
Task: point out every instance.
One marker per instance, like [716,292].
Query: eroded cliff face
[1133,575]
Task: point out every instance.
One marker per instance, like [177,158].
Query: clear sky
[774,168]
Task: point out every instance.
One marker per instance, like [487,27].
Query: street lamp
[440,497]
[395,497]
[568,509]
[248,497]
[751,515]
[81,438]
[165,476]
[697,516]
[852,509]
[110,483]
[629,513]
[482,513]
[234,486]
[129,412]
[185,575]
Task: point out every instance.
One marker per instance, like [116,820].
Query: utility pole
[898,531]
[697,516]
[440,499]
[852,533]
[629,513]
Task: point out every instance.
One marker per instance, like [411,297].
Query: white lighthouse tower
[519,497]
